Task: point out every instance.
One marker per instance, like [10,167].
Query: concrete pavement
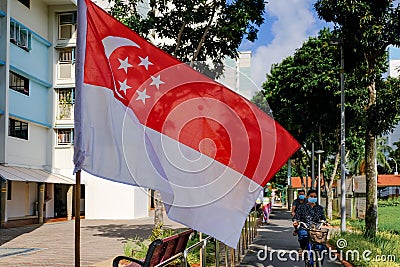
[275,244]
[52,244]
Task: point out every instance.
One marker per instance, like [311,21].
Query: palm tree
[357,164]
[382,151]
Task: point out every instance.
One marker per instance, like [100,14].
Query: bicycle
[317,237]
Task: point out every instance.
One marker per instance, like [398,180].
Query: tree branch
[203,38]
[179,38]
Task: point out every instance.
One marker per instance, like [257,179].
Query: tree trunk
[158,209]
[371,213]
[329,194]
[329,187]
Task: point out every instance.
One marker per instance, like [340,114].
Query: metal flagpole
[78,219]
[342,145]
[312,167]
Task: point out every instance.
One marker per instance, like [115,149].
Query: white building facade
[237,75]
[394,71]
[37,59]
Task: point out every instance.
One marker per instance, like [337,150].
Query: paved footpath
[277,240]
[52,244]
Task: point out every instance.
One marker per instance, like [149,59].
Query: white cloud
[294,21]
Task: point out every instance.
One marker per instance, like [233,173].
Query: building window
[83,191]
[66,100]
[19,83]
[9,187]
[66,64]
[20,36]
[25,3]
[65,137]
[18,129]
[67,25]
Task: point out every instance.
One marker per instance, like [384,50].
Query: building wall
[31,108]
[103,199]
[63,156]
[23,199]
[394,71]
[237,75]
[4,69]
[31,200]
[394,67]
[31,152]
[33,64]
[110,200]
[35,16]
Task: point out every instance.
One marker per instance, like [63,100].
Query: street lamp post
[319,152]
[342,140]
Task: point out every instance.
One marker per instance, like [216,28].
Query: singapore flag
[144,118]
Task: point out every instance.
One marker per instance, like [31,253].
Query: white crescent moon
[111,43]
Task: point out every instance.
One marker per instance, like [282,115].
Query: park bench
[159,251]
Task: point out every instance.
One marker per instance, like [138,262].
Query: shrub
[390,202]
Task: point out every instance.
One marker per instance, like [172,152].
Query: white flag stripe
[125,155]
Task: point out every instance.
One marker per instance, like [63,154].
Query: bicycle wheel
[317,260]
[308,259]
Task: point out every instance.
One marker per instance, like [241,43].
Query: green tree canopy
[367,29]
[303,92]
[194,30]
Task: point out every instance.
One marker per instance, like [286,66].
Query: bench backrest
[163,249]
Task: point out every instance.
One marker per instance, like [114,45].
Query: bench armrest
[118,258]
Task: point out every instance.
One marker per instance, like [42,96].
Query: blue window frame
[20,36]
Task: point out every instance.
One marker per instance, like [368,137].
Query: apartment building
[237,75]
[394,71]
[37,85]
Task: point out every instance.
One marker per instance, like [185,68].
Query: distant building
[388,186]
[237,75]
[394,71]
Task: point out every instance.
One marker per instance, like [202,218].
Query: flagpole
[78,219]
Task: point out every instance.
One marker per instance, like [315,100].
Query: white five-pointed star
[142,95]
[156,81]
[124,64]
[145,62]
[123,86]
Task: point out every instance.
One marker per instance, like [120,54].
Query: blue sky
[288,24]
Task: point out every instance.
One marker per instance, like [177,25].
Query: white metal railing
[230,256]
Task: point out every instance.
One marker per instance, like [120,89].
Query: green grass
[386,243]
[389,219]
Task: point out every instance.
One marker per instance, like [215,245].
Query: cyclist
[309,213]
[300,200]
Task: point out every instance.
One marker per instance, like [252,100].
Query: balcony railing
[65,112]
